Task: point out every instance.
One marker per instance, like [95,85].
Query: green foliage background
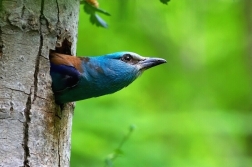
[194,111]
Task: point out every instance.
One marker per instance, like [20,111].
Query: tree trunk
[33,129]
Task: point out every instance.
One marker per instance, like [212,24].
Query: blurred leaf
[101,11]
[95,18]
[164,1]
[89,9]
[118,152]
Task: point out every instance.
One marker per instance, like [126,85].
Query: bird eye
[127,58]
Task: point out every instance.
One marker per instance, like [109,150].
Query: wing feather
[65,71]
[63,59]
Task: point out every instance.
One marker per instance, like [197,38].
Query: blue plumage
[78,78]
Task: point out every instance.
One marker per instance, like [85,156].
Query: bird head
[131,60]
[118,70]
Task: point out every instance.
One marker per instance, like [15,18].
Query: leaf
[98,21]
[95,18]
[164,1]
[102,11]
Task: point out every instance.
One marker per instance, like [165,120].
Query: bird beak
[150,62]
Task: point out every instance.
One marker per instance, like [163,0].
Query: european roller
[78,78]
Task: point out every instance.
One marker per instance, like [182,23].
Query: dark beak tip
[162,61]
[152,62]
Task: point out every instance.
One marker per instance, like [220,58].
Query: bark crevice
[41,43]
[27,113]
[1,46]
[17,90]
[59,150]
[37,67]
[58,14]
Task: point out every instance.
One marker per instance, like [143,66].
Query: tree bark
[34,131]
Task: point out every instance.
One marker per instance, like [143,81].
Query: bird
[78,78]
